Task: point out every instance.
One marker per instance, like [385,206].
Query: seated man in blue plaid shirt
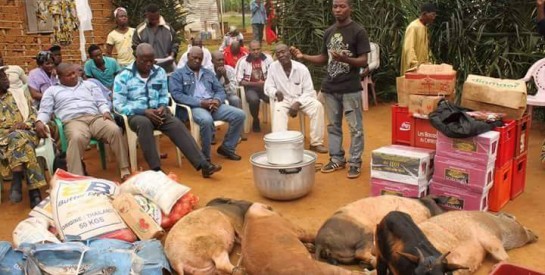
[141,93]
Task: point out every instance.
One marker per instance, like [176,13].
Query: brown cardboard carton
[481,106]
[143,225]
[422,106]
[431,79]
[484,93]
[402,95]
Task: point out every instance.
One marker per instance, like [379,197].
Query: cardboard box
[463,173]
[431,79]
[481,149]
[381,187]
[402,95]
[404,164]
[456,198]
[142,224]
[495,95]
[421,106]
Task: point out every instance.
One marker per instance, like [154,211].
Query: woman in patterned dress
[18,141]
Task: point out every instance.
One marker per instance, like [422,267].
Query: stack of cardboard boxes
[500,175]
[419,92]
[464,170]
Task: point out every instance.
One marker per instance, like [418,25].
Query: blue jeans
[257,31]
[336,105]
[232,115]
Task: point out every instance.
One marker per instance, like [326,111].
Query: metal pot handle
[290,171]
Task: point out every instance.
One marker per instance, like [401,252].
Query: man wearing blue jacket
[141,93]
[200,89]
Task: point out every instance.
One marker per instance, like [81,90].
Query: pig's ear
[410,257]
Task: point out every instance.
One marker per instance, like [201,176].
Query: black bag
[454,122]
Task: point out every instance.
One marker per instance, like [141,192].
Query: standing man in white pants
[290,85]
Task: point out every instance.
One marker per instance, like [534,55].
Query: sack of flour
[82,208]
[156,186]
[33,230]
[43,211]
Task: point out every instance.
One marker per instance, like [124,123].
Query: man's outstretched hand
[296,52]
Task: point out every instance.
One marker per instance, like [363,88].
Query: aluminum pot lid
[283,136]
[260,159]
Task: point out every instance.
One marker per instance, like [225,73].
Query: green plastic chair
[64,143]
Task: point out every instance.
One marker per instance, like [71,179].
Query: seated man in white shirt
[207,57]
[290,85]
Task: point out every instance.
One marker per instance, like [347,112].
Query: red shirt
[231,59]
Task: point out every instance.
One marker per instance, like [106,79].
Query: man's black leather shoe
[232,156]
[209,169]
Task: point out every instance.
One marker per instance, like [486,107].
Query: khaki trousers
[79,132]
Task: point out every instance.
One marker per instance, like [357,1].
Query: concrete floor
[330,192]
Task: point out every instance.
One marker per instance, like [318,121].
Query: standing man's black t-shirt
[350,39]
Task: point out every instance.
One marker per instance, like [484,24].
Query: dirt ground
[330,192]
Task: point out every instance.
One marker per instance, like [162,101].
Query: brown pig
[272,245]
[347,237]
[200,242]
[470,235]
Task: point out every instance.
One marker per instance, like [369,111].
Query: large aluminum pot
[283,182]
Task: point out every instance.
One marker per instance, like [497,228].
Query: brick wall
[18,47]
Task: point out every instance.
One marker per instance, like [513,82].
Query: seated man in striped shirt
[85,114]
[141,93]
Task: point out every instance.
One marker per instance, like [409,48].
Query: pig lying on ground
[347,236]
[200,242]
[402,248]
[272,245]
[470,235]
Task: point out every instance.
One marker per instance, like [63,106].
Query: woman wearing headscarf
[18,141]
[43,77]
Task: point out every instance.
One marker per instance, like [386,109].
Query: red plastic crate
[505,268]
[424,135]
[401,125]
[506,147]
[500,193]
[519,175]
[523,132]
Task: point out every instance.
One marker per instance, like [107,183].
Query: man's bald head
[144,49]
[63,68]
[283,55]
[68,74]
[235,47]
[145,58]
[194,58]
[216,55]
[218,59]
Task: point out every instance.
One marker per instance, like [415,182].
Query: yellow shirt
[122,43]
[415,46]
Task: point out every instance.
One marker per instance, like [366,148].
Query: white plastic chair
[46,150]
[374,62]
[246,109]
[537,72]
[194,127]
[132,141]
